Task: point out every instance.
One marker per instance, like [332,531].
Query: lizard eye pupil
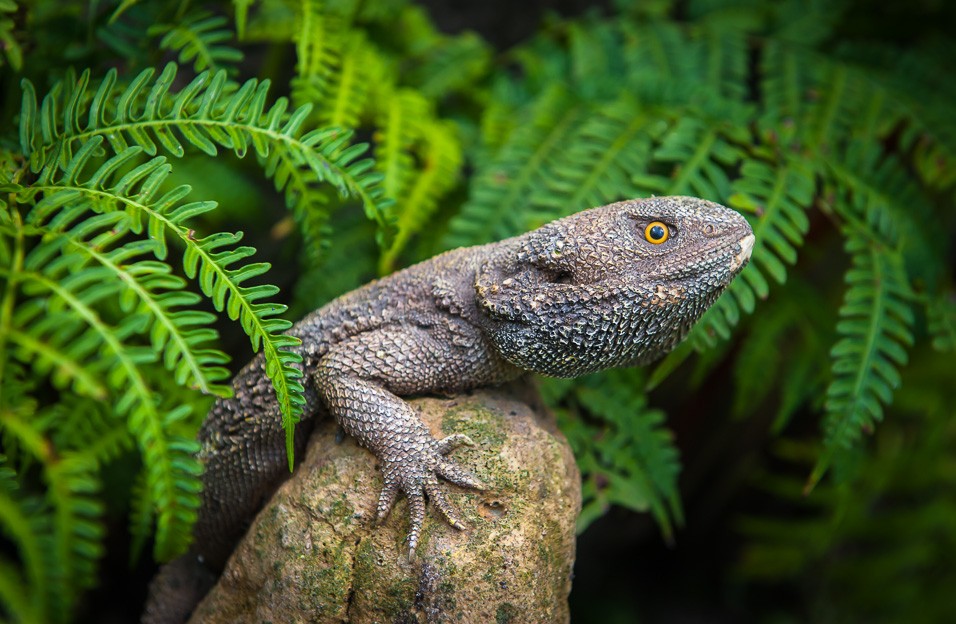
[656,233]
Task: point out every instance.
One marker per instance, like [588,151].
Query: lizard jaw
[741,257]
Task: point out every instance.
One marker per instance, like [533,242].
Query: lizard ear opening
[506,284]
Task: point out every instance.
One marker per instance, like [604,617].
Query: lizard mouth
[746,248]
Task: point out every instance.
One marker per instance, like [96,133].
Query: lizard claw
[449,444]
[417,477]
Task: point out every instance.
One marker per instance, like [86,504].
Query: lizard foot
[417,477]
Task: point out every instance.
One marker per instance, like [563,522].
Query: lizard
[617,285]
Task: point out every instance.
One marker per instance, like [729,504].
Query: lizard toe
[457,475]
[416,507]
[449,444]
[437,497]
[386,500]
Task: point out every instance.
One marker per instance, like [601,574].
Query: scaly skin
[581,294]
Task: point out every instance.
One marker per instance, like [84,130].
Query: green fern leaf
[319,39]
[208,113]
[440,155]
[212,261]
[173,470]
[181,335]
[596,167]
[875,328]
[452,64]
[779,197]
[72,487]
[346,91]
[197,40]
[23,522]
[635,464]
[495,208]
[696,156]
[942,322]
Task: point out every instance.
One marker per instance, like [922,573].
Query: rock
[313,554]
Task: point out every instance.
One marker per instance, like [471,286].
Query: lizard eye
[656,232]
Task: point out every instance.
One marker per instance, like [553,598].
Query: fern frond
[401,126]
[495,208]
[86,428]
[452,64]
[695,156]
[141,516]
[441,158]
[942,322]
[198,40]
[318,41]
[68,524]
[180,332]
[705,59]
[211,261]
[173,469]
[875,329]
[345,97]
[12,50]
[635,463]
[23,522]
[613,142]
[208,113]
[72,487]
[779,197]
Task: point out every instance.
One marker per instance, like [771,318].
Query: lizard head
[611,286]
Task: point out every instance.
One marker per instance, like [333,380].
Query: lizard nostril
[709,229]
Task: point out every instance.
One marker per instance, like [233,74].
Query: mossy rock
[313,554]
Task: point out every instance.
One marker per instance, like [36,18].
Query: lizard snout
[743,256]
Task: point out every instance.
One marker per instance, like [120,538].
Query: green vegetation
[349,138]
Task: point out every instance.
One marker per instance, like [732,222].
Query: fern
[198,40]
[208,114]
[494,209]
[135,197]
[21,520]
[8,36]
[441,159]
[633,463]
[182,335]
[318,38]
[875,329]
[346,97]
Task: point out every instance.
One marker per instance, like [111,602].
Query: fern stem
[607,160]
[687,168]
[9,294]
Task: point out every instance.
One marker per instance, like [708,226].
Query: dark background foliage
[795,460]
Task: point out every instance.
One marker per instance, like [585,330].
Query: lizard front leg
[360,381]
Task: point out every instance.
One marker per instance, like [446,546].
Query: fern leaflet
[635,464]
[208,113]
[875,329]
[197,39]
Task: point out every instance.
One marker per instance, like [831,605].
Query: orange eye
[656,232]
